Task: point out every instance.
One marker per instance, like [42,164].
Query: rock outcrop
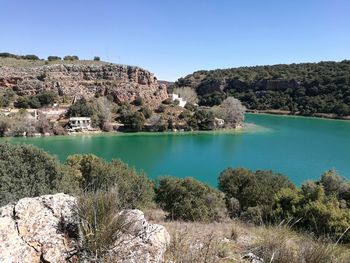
[42,229]
[124,83]
[46,229]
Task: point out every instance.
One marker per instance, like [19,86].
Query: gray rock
[46,229]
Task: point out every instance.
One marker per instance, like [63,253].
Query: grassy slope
[229,241]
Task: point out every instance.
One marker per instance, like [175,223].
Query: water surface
[301,148]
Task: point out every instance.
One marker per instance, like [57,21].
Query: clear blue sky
[174,38]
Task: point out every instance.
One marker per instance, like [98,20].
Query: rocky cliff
[46,229]
[124,83]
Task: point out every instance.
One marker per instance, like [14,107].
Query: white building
[174,97]
[80,123]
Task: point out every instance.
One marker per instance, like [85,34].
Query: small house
[80,123]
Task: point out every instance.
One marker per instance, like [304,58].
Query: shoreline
[329,116]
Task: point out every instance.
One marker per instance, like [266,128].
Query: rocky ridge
[123,83]
[46,229]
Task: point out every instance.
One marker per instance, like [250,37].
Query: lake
[301,148]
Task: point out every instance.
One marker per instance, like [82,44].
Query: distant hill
[306,88]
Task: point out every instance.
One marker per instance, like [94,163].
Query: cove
[300,148]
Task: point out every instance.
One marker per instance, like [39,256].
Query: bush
[95,174]
[80,109]
[53,58]
[189,200]
[71,58]
[97,58]
[26,171]
[30,57]
[253,189]
[99,225]
[146,111]
[138,101]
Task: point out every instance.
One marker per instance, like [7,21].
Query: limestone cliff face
[124,83]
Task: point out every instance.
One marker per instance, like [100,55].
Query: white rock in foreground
[46,229]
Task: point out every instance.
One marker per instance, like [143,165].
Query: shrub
[80,109]
[53,58]
[97,58]
[99,225]
[189,200]
[146,111]
[95,174]
[71,58]
[138,101]
[252,189]
[30,57]
[26,171]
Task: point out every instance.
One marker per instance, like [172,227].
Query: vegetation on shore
[317,213]
[305,89]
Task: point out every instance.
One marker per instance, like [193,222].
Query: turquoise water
[301,148]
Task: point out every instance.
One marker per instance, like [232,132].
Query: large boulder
[140,241]
[46,229]
[41,229]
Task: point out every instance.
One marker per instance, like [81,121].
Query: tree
[46,97]
[102,113]
[202,120]
[53,58]
[232,111]
[71,58]
[189,200]
[96,58]
[80,109]
[187,93]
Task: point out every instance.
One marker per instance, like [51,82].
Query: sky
[173,38]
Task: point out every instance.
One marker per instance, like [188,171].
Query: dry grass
[281,245]
[231,240]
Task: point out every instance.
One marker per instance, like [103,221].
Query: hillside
[84,78]
[306,89]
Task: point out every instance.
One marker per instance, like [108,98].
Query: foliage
[81,108]
[102,113]
[71,58]
[133,121]
[39,100]
[95,174]
[53,58]
[146,111]
[187,93]
[306,88]
[99,225]
[202,120]
[6,97]
[319,206]
[253,190]
[189,200]
[26,171]
[96,58]
[138,101]
[232,111]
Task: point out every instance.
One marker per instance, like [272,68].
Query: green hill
[305,89]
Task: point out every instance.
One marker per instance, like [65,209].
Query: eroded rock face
[42,229]
[124,83]
[46,229]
